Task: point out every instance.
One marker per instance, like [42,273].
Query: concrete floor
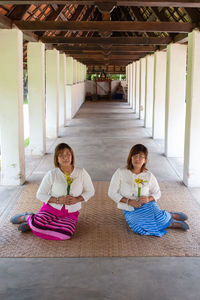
[101,136]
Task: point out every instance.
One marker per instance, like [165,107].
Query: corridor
[101,135]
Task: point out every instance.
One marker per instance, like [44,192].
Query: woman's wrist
[80,199]
[150,198]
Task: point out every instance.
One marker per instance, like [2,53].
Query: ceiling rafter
[194,14]
[18,12]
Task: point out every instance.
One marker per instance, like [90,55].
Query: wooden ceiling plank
[123,26]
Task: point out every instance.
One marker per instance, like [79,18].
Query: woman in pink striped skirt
[62,190]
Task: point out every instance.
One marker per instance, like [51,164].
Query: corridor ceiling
[102,32]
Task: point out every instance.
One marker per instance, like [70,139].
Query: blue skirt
[148,219]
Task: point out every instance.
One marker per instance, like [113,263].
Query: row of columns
[49,74]
[164,90]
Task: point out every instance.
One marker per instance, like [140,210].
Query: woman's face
[138,160]
[65,158]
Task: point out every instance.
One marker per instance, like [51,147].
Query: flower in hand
[69,181]
[139,183]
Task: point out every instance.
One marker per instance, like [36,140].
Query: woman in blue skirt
[136,191]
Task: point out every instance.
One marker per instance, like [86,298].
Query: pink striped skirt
[53,224]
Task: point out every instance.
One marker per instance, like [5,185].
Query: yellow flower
[68,179]
[140,182]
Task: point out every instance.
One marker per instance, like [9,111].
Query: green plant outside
[113,76]
[26,142]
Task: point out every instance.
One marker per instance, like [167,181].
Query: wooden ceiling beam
[99,52]
[116,49]
[110,41]
[101,26]
[104,60]
[156,3]
[111,62]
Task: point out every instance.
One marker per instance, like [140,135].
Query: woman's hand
[145,199]
[70,200]
[134,203]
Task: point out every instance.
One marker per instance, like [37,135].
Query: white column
[192,126]
[137,86]
[126,75]
[74,71]
[142,88]
[69,70]
[133,86]
[36,97]
[69,83]
[158,128]
[80,72]
[85,72]
[52,93]
[11,107]
[175,100]
[149,91]
[77,72]
[128,83]
[62,94]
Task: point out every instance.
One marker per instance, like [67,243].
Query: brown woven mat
[102,230]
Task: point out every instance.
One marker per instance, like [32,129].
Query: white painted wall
[26,121]
[91,87]
[75,95]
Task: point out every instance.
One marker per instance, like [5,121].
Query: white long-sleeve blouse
[54,185]
[123,185]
